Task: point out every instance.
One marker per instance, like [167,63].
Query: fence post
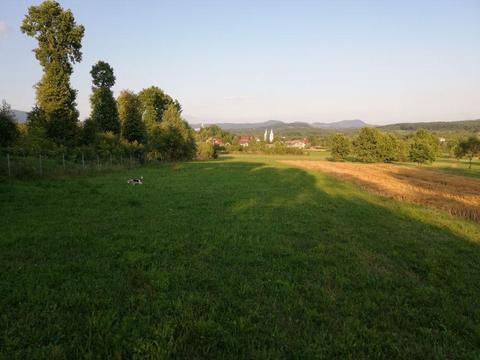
[83,161]
[111,160]
[8,164]
[98,162]
[63,161]
[40,162]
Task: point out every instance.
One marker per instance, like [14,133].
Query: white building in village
[268,137]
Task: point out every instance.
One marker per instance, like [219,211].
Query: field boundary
[458,195]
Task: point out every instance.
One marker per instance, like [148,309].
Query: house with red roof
[216,141]
[244,140]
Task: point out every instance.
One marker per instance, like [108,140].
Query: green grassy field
[457,167]
[241,257]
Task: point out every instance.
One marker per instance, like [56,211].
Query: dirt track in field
[458,195]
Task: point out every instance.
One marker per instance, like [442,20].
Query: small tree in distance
[367,145]
[469,148]
[389,148]
[424,147]
[340,147]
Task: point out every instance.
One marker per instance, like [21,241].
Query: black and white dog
[136,181]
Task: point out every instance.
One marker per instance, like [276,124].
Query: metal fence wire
[28,164]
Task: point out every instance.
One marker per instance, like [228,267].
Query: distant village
[269,139]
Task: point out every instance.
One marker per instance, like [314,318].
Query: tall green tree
[104,107]
[36,118]
[133,128]
[154,101]
[59,43]
[371,145]
[423,147]
[389,148]
[102,75]
[367,145]
[88,132]
[173,138]
[8,128]
[468,148]
[340,147]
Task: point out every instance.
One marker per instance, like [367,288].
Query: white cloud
[3,29]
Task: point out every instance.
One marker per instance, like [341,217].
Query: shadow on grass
[456,195]
[459,196]
[461,171]
[458,162]
[230,260]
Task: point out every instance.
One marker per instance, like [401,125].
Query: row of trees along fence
[33,164]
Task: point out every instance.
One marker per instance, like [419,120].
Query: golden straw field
[458,195]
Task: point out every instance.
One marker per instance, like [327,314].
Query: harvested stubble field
[458,195]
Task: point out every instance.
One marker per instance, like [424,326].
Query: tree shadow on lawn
[458,196]
[458,167]
[243,260]
[458,162]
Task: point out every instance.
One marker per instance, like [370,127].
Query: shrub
[206,151]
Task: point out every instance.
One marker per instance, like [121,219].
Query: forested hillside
[466,125]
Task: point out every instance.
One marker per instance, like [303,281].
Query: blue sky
[380,61]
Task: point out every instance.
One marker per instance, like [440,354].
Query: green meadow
[242,257]
[457,167]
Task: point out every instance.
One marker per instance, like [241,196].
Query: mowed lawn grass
[241,257]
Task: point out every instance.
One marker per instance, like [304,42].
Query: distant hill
[466,125]
[276,124]
[21,116]
[344,124]
[271,124]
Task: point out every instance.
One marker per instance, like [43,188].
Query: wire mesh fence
[35,164]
